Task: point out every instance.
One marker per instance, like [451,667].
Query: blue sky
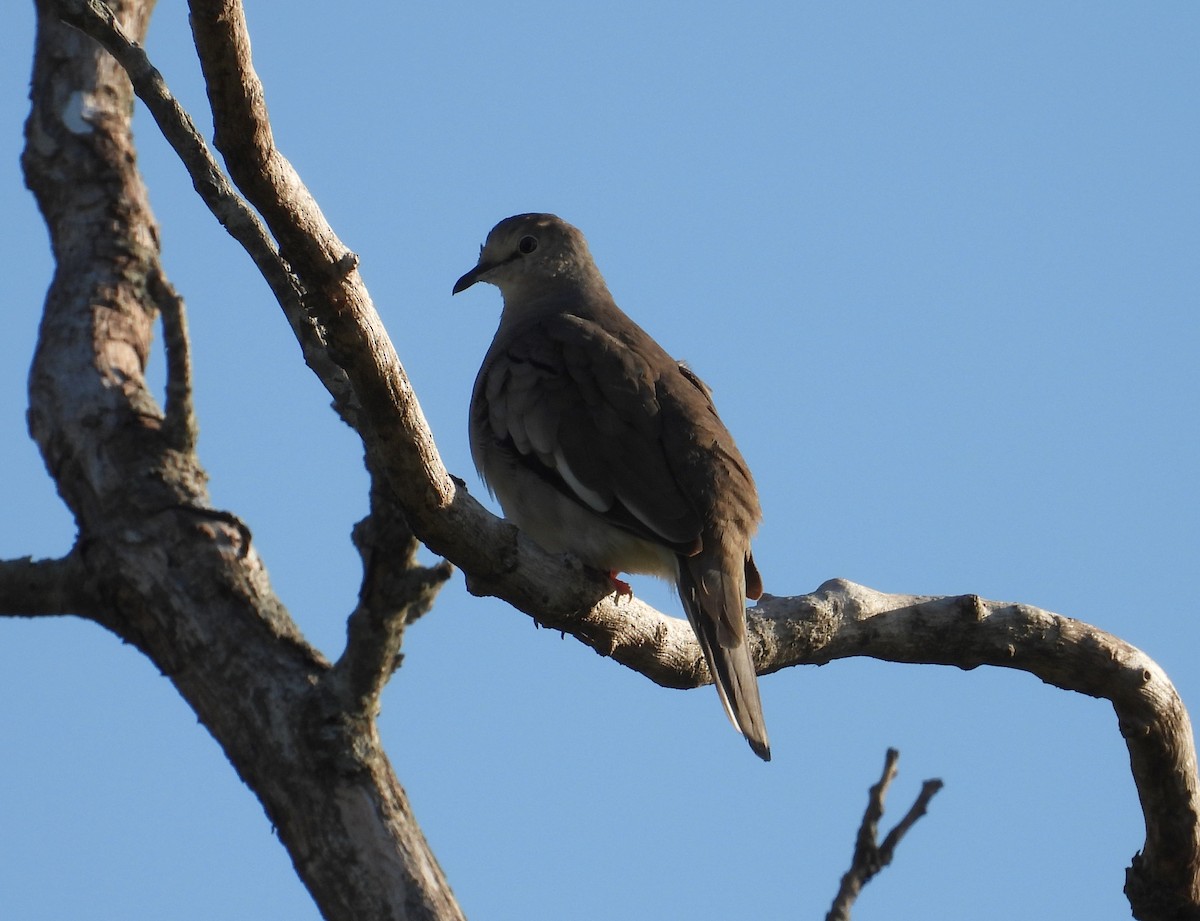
[939,263]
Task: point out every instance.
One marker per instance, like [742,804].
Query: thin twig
[869,857]
[180,426]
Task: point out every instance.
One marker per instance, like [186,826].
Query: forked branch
[869,855]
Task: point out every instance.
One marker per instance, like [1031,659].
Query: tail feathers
[715,603]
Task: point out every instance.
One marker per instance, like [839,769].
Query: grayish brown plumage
[598,443]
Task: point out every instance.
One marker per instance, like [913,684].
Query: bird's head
[530,253]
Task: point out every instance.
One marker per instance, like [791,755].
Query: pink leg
[620,587]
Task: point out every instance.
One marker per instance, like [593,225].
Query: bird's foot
[620,587]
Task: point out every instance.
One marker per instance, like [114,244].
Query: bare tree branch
[869,856]
[395,592]
[37,588]
[243,135]
[396,436]
[180,424]
[97,20]
[844,619]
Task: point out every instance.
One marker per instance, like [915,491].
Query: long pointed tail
[714,599]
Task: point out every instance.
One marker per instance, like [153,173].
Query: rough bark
[159,567]
[182,581]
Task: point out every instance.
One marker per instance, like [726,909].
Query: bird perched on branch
[598,443]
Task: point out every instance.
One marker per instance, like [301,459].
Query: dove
[596,442]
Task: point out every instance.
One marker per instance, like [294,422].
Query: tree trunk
[160,568]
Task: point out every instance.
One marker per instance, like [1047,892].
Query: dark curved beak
[470,278]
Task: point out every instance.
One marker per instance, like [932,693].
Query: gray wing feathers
[585,407]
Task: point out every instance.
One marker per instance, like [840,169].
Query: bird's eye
[527,245]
